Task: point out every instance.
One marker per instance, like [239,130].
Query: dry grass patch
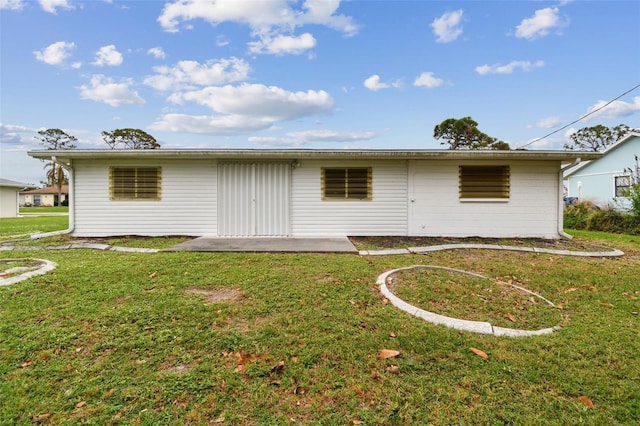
[215,295]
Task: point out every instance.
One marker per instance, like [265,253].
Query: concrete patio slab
[267,244]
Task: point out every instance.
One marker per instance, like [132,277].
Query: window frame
[484,183]
[350,189]
[137,187]
[620,190]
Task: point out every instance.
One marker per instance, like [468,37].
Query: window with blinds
[346,183]
[135,183]
[491,182]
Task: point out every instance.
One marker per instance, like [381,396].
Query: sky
[311,74]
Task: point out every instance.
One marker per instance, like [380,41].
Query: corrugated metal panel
[254,199]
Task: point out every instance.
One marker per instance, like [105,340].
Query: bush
[576,215]
[586,215]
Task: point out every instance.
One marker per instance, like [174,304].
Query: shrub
[577,214]
[586,215]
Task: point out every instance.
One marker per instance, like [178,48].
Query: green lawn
[24,227]
[215,338]
[43,210]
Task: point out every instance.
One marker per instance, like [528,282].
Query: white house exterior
[9,190]
[315,193]
[604,180]
[44,197]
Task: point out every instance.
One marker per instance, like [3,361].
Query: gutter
[561,196]
[71,198]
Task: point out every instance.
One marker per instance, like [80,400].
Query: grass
[136,338]
[44,210]
[24,227]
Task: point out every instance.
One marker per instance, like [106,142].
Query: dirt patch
[214,295]
[377,243]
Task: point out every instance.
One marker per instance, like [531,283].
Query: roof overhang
[67,156]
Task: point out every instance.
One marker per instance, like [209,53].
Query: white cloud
[508,68]
[189,74]
[272,22]
[51,5]
[374,83]
[303,137]
[428,80]
[282,44]
[540,24]
[330,136]
[108,55]
[243,109]
[547,123]
[11,4]
[447,28]
[222,40]
[157,52]
[55,53]
[104,89]
[615,109]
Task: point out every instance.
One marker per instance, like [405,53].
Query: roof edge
[295,154]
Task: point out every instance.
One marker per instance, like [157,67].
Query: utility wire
[579,119]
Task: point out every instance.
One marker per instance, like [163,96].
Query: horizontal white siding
[384,214]
[531,211]
[187,206]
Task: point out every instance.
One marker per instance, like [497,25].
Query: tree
[130,139]
[597,138]
[463,133]
[56,139]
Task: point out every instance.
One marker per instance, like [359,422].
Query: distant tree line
[59,139]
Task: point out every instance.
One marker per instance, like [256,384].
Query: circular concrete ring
[456,323]
[43,267]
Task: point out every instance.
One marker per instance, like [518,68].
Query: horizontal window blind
[484,181]
[135,183]
[346,183]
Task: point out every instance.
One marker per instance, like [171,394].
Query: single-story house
[604,181]
[315,193]
[46,197]
[9,198]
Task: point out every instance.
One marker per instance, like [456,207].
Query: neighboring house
[605,180]
[45,197]
[315,193]
[9,190]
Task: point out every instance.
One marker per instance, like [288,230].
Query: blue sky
[310,73]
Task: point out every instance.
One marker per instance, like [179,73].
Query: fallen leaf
[590,287]
[511,317]
[479,353]
[569,290]
[629,296]
[153,275]
[392,334]
[607,304]
[385,301]
[40,417]
[26,363]
[81,404]
[393,369]
[560,306]
[219,419]
[388,353]
[587,401]
[278,367]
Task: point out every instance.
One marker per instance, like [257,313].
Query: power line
[579,119]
